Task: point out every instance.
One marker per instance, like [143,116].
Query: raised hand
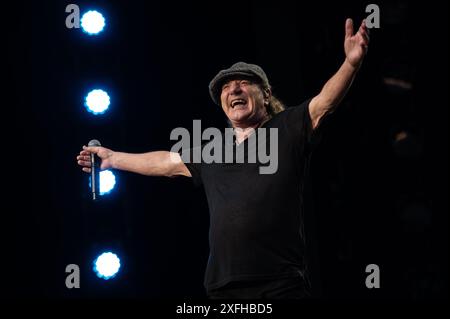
[355,45]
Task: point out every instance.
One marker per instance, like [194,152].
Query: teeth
[237,101]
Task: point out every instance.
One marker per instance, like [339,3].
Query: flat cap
[240,68]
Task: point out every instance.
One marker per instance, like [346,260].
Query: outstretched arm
[158,163]
[335,89]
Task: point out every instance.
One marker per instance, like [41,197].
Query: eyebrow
[239,79]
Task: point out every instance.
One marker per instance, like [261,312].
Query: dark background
[379,178]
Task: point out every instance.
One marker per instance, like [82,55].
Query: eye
[244,82]
[225,86]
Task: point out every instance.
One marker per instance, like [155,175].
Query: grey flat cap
[240,68]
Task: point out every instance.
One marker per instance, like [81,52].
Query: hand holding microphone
[89,163]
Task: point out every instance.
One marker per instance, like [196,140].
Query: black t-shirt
[256,220]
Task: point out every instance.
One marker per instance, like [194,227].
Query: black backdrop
[377,198]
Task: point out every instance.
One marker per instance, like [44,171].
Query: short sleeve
[299,125]
[194,167]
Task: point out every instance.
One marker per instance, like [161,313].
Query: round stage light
[92,22]
[97,101]
[107,265]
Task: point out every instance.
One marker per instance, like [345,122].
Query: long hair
[275,106]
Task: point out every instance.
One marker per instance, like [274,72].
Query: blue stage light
[92,22]
[97,101]
[106,265]
[107,182]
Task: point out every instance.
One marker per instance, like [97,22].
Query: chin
[240,114]
[240,117]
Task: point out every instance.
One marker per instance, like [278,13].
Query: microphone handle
[94,175]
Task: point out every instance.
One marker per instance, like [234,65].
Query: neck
[242,131]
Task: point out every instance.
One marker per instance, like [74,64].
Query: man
[256,224]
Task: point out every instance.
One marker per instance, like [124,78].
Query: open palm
[355,45]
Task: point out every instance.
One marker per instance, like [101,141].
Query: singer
[257,247]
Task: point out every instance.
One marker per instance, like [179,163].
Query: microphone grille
[94,143]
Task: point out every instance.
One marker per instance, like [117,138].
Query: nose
[235,87]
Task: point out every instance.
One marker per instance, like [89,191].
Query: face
[244,102]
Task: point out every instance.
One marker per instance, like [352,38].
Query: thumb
[348,28]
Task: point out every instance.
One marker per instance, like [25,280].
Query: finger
[85,153]
[363,43]
[84,163]
[364,36]
[92,149]
[364,27]
[86,169]
[363,40]
[83,158]
[348,28]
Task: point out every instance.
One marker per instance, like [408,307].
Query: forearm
[332,92]
[158,163]
[335,89]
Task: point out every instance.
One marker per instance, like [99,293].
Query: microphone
[95,168]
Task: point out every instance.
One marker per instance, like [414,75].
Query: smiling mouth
[238,103]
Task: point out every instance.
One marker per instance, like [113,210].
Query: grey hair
[275,106]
